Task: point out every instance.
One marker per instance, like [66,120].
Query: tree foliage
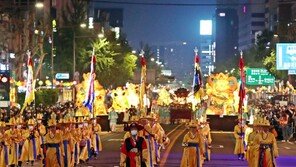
[270,64]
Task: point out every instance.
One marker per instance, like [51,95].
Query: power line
[174,4]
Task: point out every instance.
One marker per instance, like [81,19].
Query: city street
[222,150]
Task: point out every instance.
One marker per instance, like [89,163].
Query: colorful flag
[242,92]
[30,84]
[143,82]
[90,93]
[197,81]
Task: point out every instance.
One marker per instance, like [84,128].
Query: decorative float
[180,108]
[100,93]
[222,91]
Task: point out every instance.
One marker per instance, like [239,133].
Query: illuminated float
[222,91]
[100,93]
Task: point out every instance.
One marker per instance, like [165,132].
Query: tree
[270,64]
[115,64]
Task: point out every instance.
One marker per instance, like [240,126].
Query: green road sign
[259,76]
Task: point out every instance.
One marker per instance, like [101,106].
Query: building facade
[251,22]
[226,35]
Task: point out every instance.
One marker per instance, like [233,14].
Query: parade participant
[267,145]
[239,134]
[112,117]
[53,141]
[149,137]
[96,140]
[134,149]
[30,147]
[3,146]
[20,142]
[12,142]
[77,137]
[159,137]
[206,133]
[67,143]
[85,144]
[251,149]
[41,132]
[193,150]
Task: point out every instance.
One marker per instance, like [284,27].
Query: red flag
[143,61]
[242,92]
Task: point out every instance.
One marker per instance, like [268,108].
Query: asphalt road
[222,150]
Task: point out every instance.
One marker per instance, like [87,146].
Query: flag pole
[195,54]
[94,71]
[241,91]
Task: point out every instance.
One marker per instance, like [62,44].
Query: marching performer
[85,144]
[53,140]
[159,137]
[193,147]
[3,146]
[41,132]
[96,140]
[206,133]
[12,142]
[146,133]
[30,147]
[67,142]
[266,146]
[251,149]
[239,134]
[77,136]
[134,149]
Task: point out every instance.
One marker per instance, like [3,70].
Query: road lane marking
[168,150]
[174,129]
[217,146]
[223,132]
[115,140]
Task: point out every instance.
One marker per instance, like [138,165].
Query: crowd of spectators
[281,116]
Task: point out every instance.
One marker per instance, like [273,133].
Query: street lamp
[82,25]
[39,5]
[101,35]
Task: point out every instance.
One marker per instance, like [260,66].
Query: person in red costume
[134,151]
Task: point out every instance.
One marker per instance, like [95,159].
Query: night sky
[165,24]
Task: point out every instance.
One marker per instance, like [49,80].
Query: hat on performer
[12,122]
[2,124]
[52,123]
[135,125]
[39,116]
[19,121]
[193,124]
[31,122]
[263,122]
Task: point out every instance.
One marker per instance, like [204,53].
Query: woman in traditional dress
[193,147]
[265,145]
